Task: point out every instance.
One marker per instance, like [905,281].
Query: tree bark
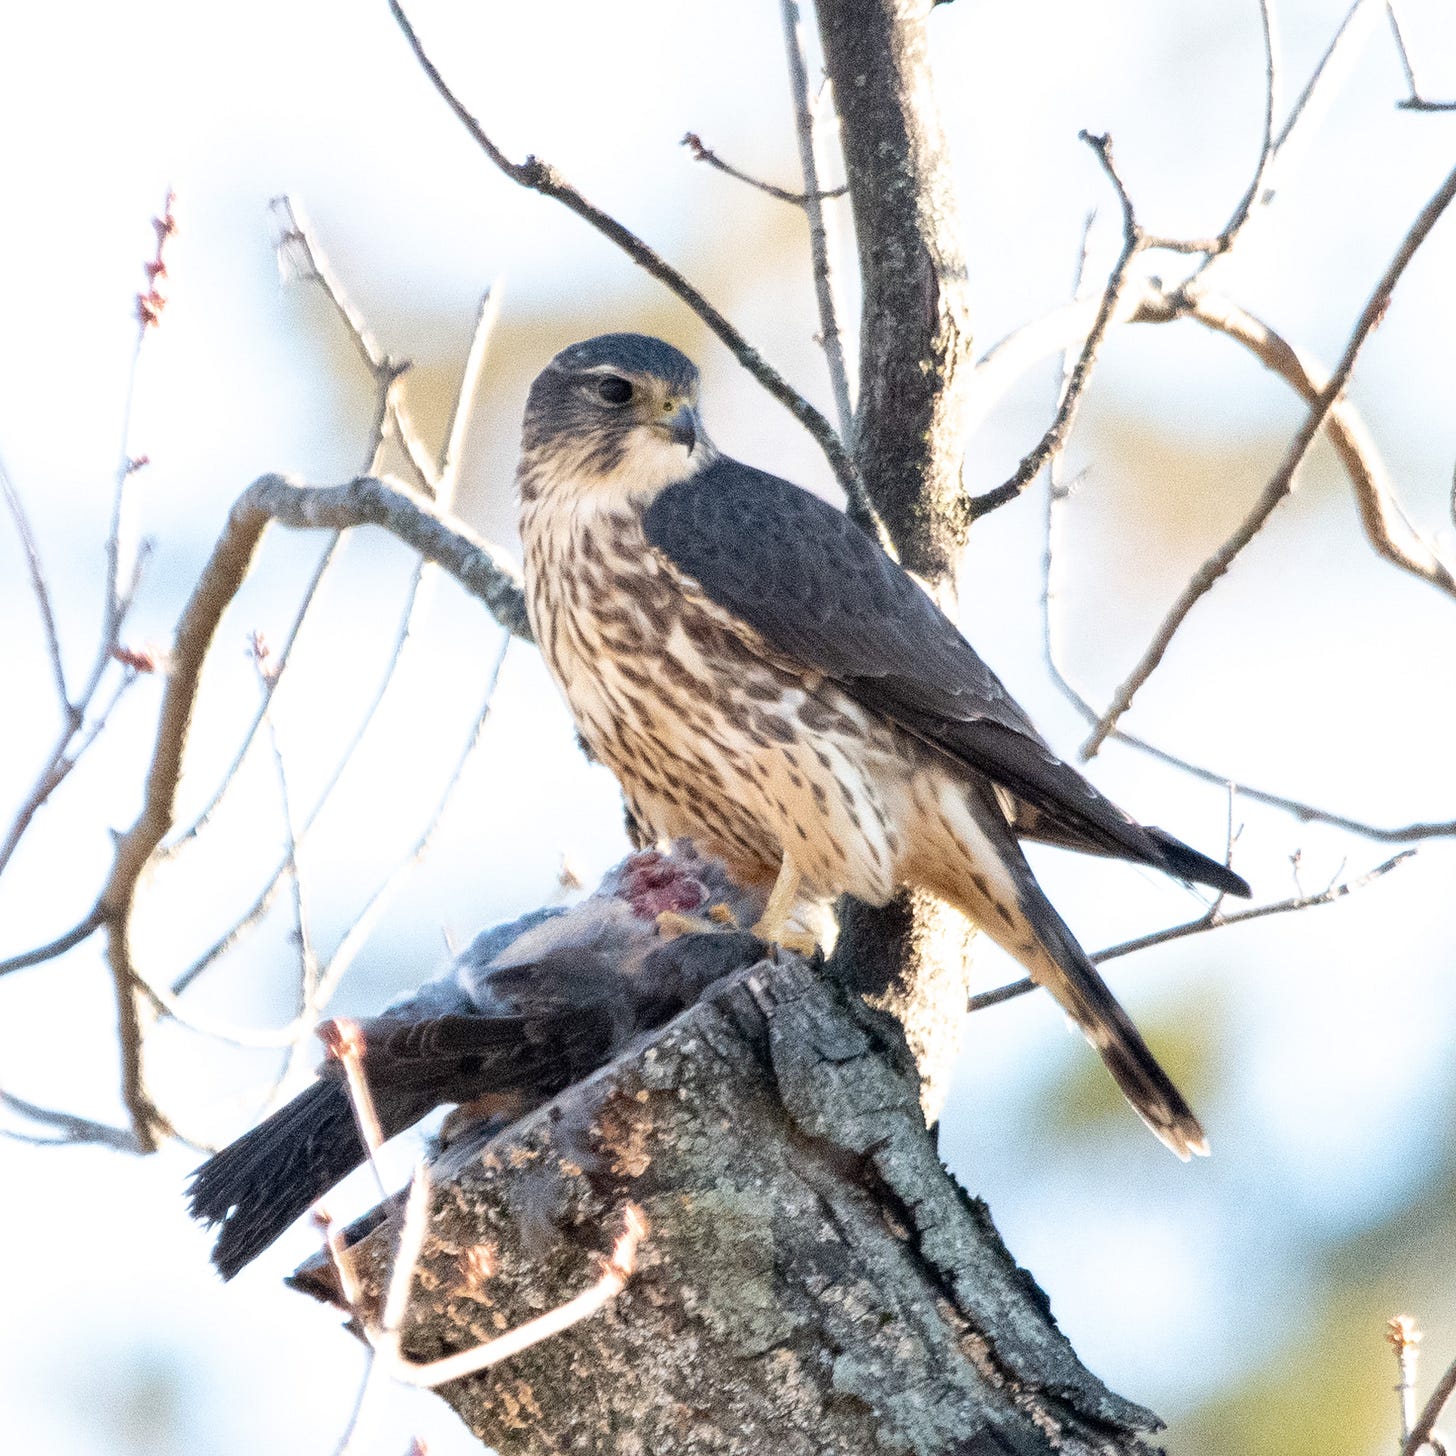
[911,430]
[811,1277]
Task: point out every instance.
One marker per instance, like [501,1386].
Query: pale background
[1242,1297]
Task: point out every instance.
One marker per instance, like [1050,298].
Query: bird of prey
[763,678]
[526,1010]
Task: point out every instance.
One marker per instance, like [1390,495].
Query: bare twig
[539,176]
[1261,184]
[72,1130]
[448,465]
[281,660]
[804,127]
[1415,101]
[1386,524]
[1213,919]
[1134,241]
[702,152]
[1423,1432]
[1405,1339]
[38,583]
[122,540]
[1282,482]
[308,969]
[1331,72]
[618,1269]
[124,556]
[300,250]
[87,926]
[355,936]
[344,1041]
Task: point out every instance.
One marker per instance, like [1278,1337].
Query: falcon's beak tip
[682,428]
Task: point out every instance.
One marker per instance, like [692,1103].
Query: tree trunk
[812,1280]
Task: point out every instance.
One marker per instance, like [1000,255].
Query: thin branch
[280,664]
[1333,69]
[829,336]
[122,540]
[308,967]
[1386,524]
[1260,189]
[1282,482]
[1261,185]
[1075,384]
[124,557]
[539,176]
[1213,919]
[344,1041]
[702,152]
[618,1269]
[38,584]
[486,316]
[353,939]
[1405,1339]
[1422,1432]
[301,252]
[1415,101]
[87,926]
[74,1131]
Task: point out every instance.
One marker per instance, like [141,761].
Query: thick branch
[810,1270]
[411,517]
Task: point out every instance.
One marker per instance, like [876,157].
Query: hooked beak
[682,427]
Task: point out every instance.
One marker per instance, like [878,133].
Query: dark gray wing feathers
[820,592]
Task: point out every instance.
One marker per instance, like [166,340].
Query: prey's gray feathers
[523,1012]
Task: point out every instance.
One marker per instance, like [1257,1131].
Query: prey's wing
[821,594]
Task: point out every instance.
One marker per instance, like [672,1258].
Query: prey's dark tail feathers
[255,1187]
[566,1014]
[258,1185]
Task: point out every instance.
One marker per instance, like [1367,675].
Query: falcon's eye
[615,390]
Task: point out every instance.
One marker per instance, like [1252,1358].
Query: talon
[722,914]
[672,923]
[801,942]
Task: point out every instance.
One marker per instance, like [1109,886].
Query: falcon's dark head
[618,412]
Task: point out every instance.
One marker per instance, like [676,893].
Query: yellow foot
[673,923]
[715,920]
[801,942]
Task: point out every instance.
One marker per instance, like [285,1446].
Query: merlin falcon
[763,679]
